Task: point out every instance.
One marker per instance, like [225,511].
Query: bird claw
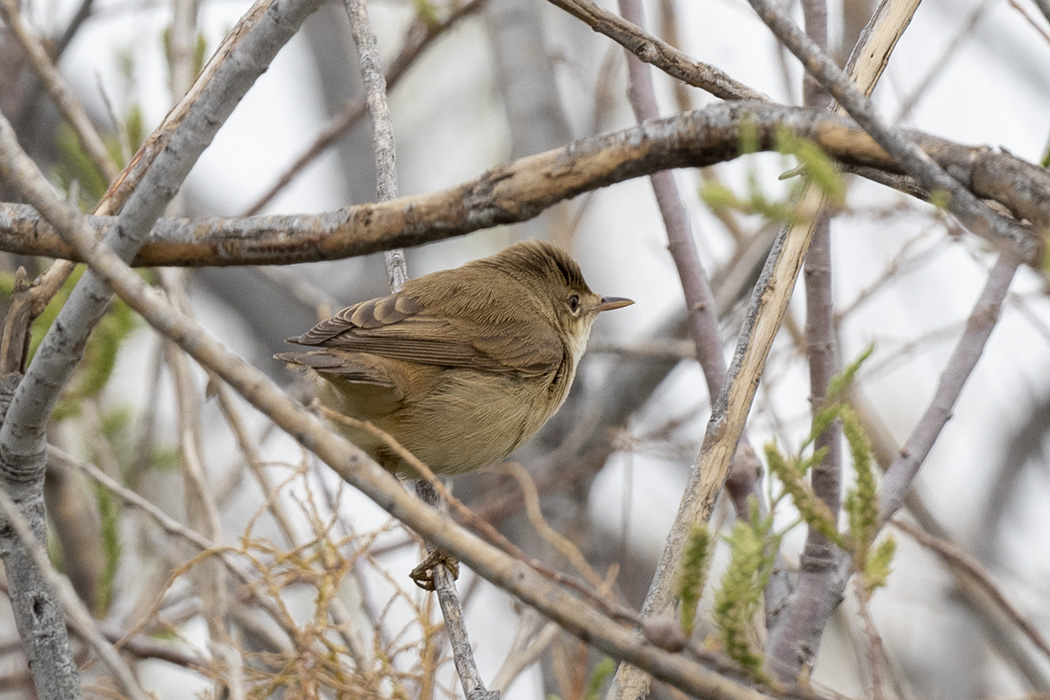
[424,573]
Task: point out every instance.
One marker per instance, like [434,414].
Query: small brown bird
[461,366]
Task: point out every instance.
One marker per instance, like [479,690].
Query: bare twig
[702,318]
[397,274]
[970,211]
[876,650]
[420,36]
[817,562]
[659,53]
[201,509]
[445,587]
[382,128]
[351,464]
[958,559]
[937,67]
[22,436]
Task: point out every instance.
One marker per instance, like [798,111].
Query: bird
[460,366]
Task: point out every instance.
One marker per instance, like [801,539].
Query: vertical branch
[183,46]
[795,631]
[817,566]
[445,587]
[397,274]
[202,513]
[702,318]
[382,126]
[61,681]
[699,299]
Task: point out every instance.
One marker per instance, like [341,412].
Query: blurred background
[497,80]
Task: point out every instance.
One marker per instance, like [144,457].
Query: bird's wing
[399,327]
[379,385]
[341,365]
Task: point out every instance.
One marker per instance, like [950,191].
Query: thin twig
[417,39]
[657,52]
[445,587]
[702,316]
[970,211]
[382,127]
[397,275]
[201,509]
[60,92]
[937,66]
[876,650]
[348,461]
[817,563]
[958,559]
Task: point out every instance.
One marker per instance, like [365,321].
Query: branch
[657,52]
[420,36]
[972,213]
[520,190]
[962,563]
[702,319]
[979,326]
[78,614]
[382,128]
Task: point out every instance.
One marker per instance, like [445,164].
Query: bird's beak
[610,303]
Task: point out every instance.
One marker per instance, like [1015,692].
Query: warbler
[460,366]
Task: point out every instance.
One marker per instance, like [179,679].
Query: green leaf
[692,574]
[752,548]
[879,564]
[603,671]
[110,511]
[821,170]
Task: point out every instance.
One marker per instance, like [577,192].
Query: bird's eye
[574,303]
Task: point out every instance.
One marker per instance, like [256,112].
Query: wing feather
[399,327]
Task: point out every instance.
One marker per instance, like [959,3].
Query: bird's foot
[424,573]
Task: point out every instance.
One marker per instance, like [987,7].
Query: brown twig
[519,190]
[970,211]
[876,650]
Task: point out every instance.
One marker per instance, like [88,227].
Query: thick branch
[520,190]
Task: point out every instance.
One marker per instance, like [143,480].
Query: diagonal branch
[156,176]
[970,211]
[657,52]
